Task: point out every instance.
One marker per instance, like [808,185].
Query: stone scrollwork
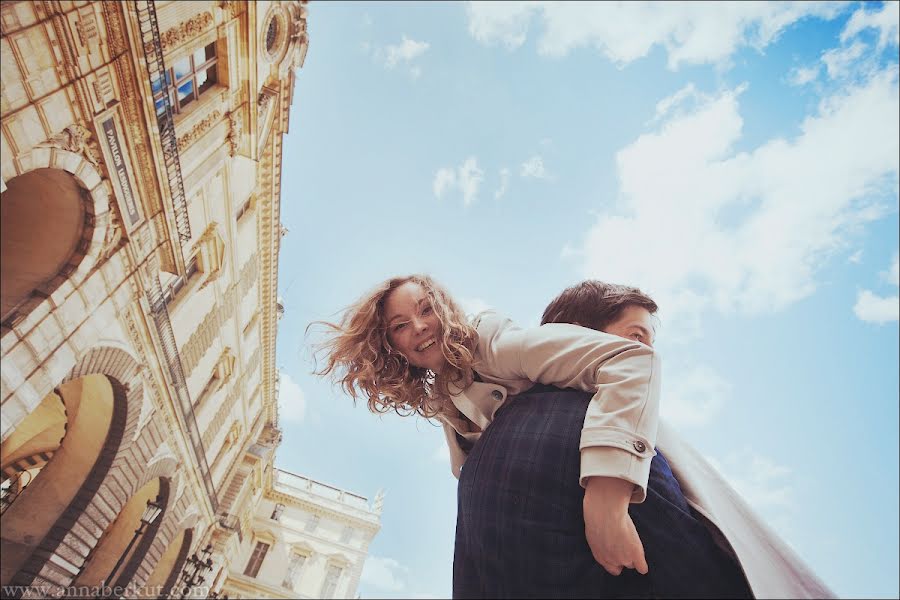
[75,138]
[262,102]
[186,30]
[113,235]
[236,130]
[231,7]
[198,130]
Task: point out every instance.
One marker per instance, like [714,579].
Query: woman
[407,347]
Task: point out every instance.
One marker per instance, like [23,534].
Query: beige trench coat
[621,429]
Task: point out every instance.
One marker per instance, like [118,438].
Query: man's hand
[610,532]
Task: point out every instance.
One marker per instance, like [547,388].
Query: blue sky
[739,162]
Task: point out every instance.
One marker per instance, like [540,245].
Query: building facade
[140,173]
[306,540]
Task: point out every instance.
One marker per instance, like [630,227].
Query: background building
[306,540]
[139,184]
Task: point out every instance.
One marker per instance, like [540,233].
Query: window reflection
[192,75]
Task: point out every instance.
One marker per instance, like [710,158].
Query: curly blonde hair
[360,358]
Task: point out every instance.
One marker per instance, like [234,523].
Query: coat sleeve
[457,455]
[622,418]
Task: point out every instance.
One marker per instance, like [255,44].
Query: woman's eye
[399,326]
[427,310]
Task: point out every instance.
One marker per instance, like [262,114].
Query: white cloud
[473,306]
[872,308]
[856,257]
[892,275]
[444,180]
[404,52]
[291,400]
[700,226]
[693,396]
[762,483]
[534,167]
[885,21]
[467,177]
[839,60]
[384,573]
[664,106]
[690,32]
[504,184]
[470,178]
[803,75]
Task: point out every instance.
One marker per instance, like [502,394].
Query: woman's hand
[608,527]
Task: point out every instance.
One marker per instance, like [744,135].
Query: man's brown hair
[595,304]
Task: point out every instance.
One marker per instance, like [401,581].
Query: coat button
[640,446]
[497,395]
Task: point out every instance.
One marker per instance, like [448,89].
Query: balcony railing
[12,488]
[322,490]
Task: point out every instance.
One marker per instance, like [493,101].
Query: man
[522,530]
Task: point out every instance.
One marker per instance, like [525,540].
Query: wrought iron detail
[156,67]
[12,488]
[163,324]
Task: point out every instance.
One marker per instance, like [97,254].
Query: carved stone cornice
[193,27]
[115,28]
[198,130]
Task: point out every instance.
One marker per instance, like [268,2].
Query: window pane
[206,79]
[199,57]
[186,92]
[182,68]
[202,55]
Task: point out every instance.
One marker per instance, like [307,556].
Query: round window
[272,36]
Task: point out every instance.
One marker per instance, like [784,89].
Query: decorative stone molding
[379,502]
[210,250]
[75,138]
[198,130]
[235,131]
[115,29]
[232,8]
[225,366]
[275,34]
[113,236]
[262,102]
[234,434]
[186,30]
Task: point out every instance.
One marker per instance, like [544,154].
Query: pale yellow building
[307,540]
[140,172]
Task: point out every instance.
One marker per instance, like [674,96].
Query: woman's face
[413,328]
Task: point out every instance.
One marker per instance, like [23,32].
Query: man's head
[617,309]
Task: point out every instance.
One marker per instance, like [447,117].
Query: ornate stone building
[140,173]
[306,540]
